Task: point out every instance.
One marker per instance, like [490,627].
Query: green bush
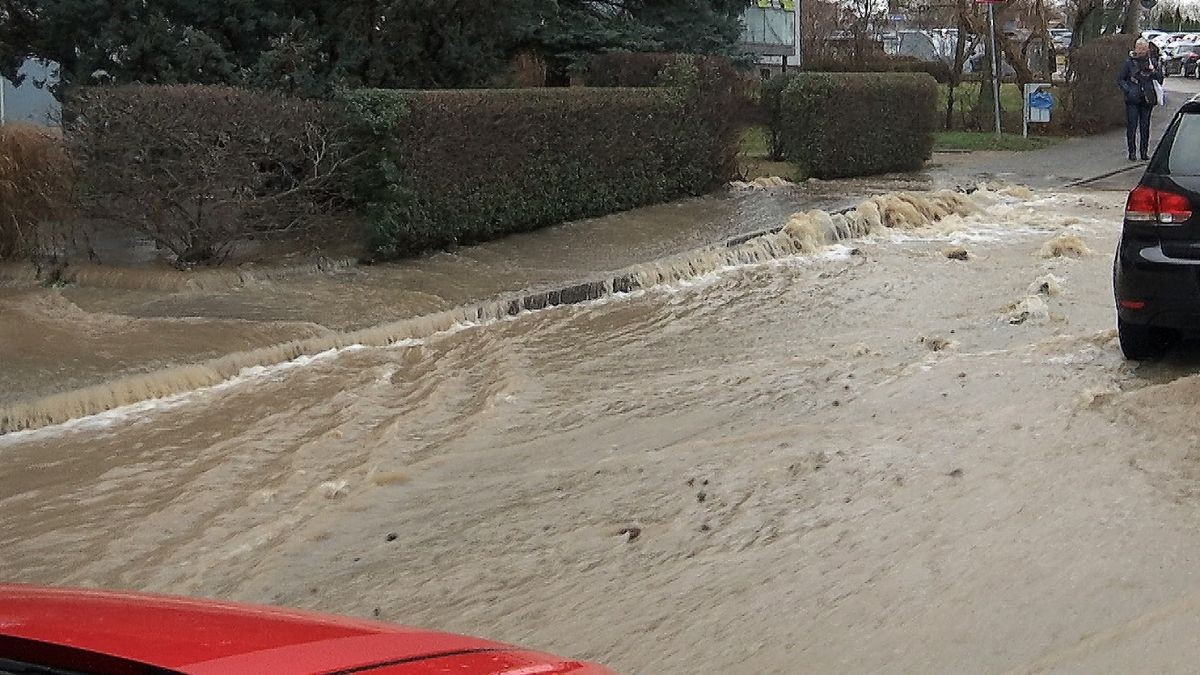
[626,69]
[446,167]
[1094,102]
[857,124]
[645,69]
[880,63]
[199,168]
[770,104]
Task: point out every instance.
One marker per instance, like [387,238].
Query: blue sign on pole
[1041,100]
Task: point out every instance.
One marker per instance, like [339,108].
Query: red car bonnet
[200,636]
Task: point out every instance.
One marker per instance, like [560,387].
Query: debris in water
[1030,308]
[761,183]
[1092,396]
[936,343]
[858,349]
[1065,246]
[333,489]
[957,253]
[704,527]
[389,478]
[630,532]
[957,473]
[392,536]
[1047,284]
[1018,191]
[265,496]
[701,496]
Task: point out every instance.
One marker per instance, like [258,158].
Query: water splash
[805,234]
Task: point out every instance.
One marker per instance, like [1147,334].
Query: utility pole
[799,14]
[991,16]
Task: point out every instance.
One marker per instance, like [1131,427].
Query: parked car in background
[1161,40]
[47,631]
[1061,37]
[1174,56]
[1188,60]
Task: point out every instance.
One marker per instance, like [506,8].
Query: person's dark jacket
[1137,80]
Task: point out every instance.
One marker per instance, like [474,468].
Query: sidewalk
[1061,165]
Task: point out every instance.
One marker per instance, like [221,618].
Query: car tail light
[1148,205]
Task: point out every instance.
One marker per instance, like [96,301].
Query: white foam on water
[806,238]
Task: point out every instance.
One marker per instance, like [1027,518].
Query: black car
[1156,274]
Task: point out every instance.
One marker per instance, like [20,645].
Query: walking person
[1137,80]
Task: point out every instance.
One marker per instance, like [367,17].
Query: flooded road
[915,451]
[112,321]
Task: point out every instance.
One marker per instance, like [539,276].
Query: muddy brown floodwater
[917,451]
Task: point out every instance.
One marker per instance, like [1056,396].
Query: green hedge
[446,167]
[856,124]
[770,100]
[880,63]
[200,168]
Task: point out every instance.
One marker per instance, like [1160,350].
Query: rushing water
[770,416]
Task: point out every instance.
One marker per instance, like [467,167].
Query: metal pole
[995,67]
[1025,112]
[3,82]
[799,16]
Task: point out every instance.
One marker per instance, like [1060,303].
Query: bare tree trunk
[1085,21]
[1010,51]
[960,57]
[1133,12]
[1043,32]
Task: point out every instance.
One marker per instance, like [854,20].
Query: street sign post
[1037,105]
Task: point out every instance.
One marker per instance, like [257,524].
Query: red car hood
[199,636]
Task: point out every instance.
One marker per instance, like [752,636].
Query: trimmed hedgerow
[199,168]
[880,63]
[462,166]
[857,124]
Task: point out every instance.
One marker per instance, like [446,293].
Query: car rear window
[1184,158]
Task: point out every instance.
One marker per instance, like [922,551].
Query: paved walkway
[1072,161]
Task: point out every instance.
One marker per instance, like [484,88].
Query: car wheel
[1142,343]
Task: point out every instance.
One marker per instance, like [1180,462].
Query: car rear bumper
[1167,289]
